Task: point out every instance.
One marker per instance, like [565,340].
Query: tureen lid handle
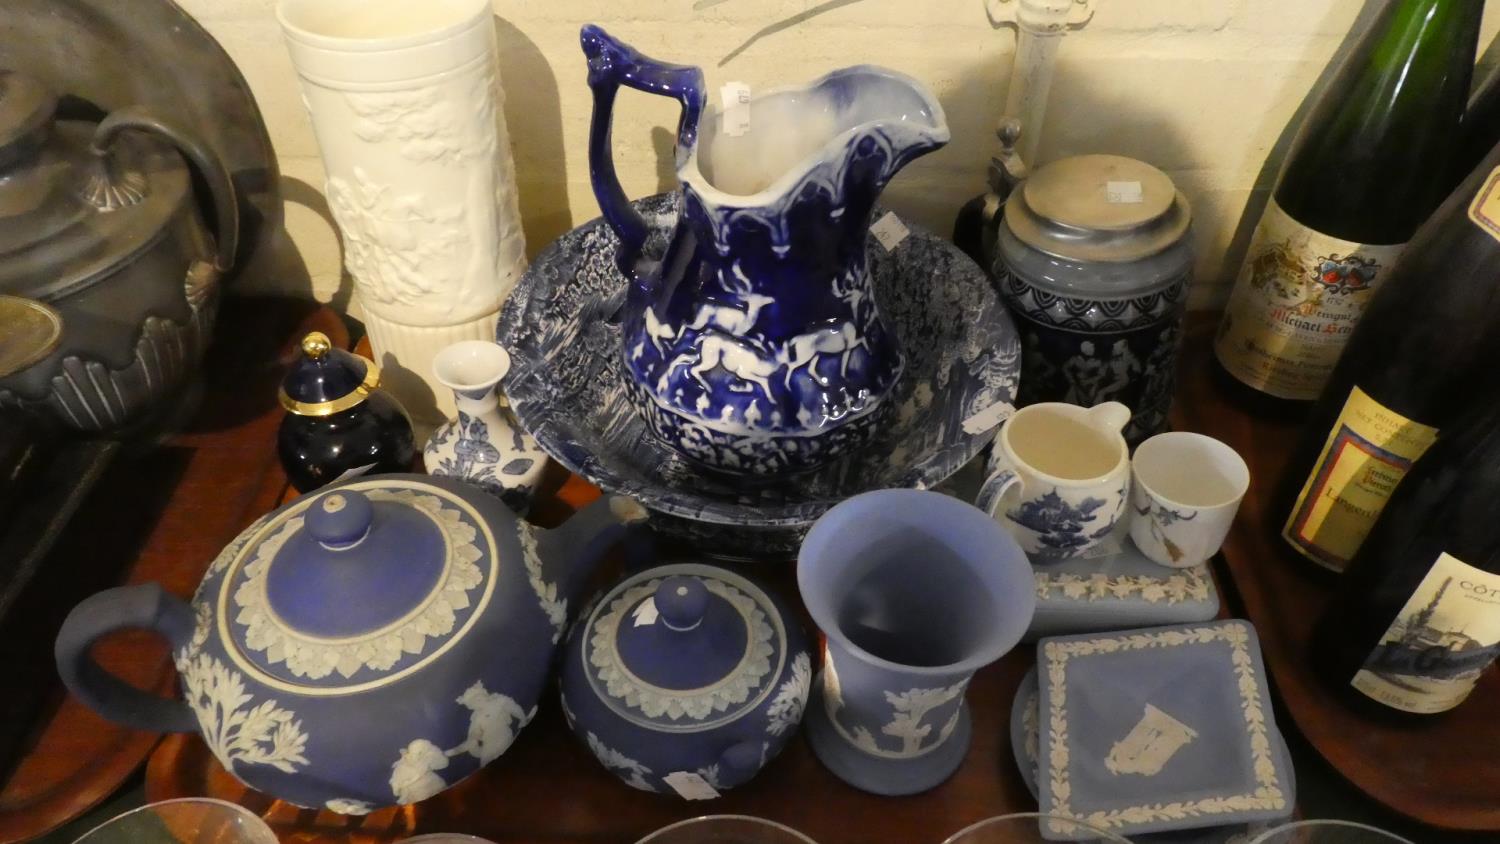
[681,602]
[340,519]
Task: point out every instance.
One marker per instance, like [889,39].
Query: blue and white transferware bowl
[367,645]
[686,679]
[568,391]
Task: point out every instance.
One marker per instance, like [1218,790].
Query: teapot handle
[144,607]
[612,64]
[204,162]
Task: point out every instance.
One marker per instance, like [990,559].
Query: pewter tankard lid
[1098,208]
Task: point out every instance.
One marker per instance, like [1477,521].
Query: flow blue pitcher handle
[612,64]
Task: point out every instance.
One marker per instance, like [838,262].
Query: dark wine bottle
[1429,336]
[1367,166]
[1481,126]
[1417,617]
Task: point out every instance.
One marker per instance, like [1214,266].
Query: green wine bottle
[1365,169]
[1481,126]
[1423,353]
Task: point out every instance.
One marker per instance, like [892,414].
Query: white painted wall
[1201,88]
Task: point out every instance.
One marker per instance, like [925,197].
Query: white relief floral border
[1186,585]
[1268,795]
[434,618]
[732,690]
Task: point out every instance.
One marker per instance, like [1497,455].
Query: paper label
[1123,193]
[1444,637]
[989,418]
[1297,299]
[1369,451]
[645,615]
[734,114]
[1484,210]
[890,231]
[354,473]
[690,786]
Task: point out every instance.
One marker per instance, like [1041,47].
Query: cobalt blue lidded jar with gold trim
[1094,262]
[338,424]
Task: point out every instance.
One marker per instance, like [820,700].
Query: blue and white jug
[753,342]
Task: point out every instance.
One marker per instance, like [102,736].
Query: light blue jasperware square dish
[1157,729]
[1025,746]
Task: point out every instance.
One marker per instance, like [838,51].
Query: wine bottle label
[1484,209]
[1297,299]
[1444,637]
[1366,454]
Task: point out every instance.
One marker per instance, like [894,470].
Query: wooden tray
[1444,772]
[159,513]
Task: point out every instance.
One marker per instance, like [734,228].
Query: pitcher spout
[818,130]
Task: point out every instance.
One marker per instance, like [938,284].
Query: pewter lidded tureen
[367,645]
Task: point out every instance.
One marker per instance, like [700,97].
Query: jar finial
[316,344]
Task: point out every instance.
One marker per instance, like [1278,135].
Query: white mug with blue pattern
[1059,477]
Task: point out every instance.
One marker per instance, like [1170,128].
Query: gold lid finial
[316,345]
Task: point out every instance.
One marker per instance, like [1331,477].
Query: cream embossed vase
[406,104]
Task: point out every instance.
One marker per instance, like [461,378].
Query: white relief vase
[483,444]
[405,101]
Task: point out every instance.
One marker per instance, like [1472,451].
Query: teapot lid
[71,213]
[355,586]
[684,647]
[326,380]
[1098,208]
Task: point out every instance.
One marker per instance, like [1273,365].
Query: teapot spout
[572,551]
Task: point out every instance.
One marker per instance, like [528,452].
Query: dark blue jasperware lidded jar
[686,679]
[367,645]
[338,422]
[1094,260]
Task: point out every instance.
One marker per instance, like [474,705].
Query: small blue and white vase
[1094,261]
[686,679]
[484,444]
[752,342]
[367,645]
[888,714]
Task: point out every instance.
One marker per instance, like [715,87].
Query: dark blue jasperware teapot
[686,678]
[366,645]
[753,343]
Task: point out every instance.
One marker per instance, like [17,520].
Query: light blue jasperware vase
[753,342]
[366,645]
[915,591]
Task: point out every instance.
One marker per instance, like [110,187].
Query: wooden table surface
[159,514]
[216,478]
[1442,771]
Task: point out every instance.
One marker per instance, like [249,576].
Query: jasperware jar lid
[684,647]
[1098,208]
